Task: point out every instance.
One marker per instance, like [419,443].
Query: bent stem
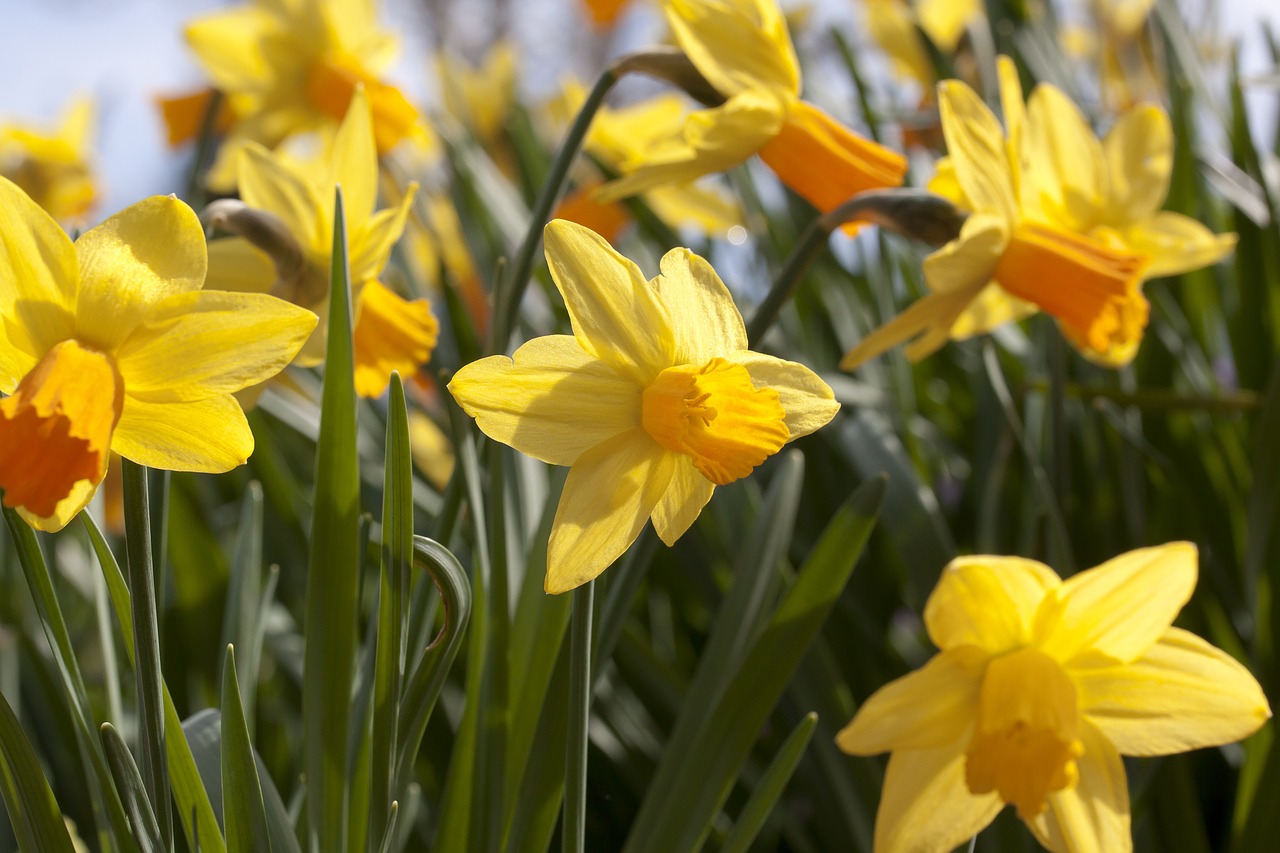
[575,780]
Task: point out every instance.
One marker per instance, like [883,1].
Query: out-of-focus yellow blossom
[621,135]
[291,66]
[1012,256]
[1039,687]
[1122,18]
[184,115]
[301,197]
[652,402]
[112,344]
[742,48]
[479,97]
[53,168]
[430,449]
[893,24]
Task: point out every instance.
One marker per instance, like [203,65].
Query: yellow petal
[134,260]
[705,322]
[1139,157]
[993,307]
[609,495]
[932,315]
[616,316]
[1063,160]
[682,502]
[1093,815]
[237,265]
[38,275]
[707,209]
[987,602]
[946,20]
[205,344]
[371,245]
[1177,244]
[976,146]
[890,24]
[551,400]
[68,508]
[355,160]
[391,333]
[737,44]
[1182,694]
[1015,117]
[925,709]
[967,263]
[210,436]
[231,46]
[926,807]
[266,183]
[1118,609]
[808,401]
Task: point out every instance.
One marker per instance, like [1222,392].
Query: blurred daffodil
[1012,256]
[291,66]
[391,333]
[896,25]
[480,97]
[53,169]
[623,134]
[1039,687]
[652,402]
[112,344]
[604,13]
[742,48]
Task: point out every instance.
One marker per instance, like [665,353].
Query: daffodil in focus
[112,344]
[290,67]
[742,48]
[391,333]
[1039,687]
[1014,254]
[53,168]
[653,401]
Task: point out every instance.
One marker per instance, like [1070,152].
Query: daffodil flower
[292,67]
[744,51]
[54,169]
[653,401]
[111,344]
[896,24]
[1012,257]
[390,332]
[1039,687]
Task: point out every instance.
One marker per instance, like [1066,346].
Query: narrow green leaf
[33,812]
[767,791]
[333,572]
[146,831]
[241,626]
[389,834]
[243,813]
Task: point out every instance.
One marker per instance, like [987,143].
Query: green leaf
[146,831]
[33,812]
[243,812]
[242,625]
[333,571]
[767,791]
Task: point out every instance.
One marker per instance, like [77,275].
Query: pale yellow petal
[987,602]
[925,709]
[1119,609]
[355,161]
[1093,815]
[610,493]
[807,400]
[737,45]
[371,246]
[266,183]
[976,146]
[683,501]
[705,322]
[231,46]
[204,344]
[692,206]
[930,316]
[1139,156]
[1177,243]
[890,23]
[926,806]
[616,316]
[1182,694]
[993,307]
[968,262]
[237,265]
[1063,160]
[210,436]
[946,20]
[133,261]
[552,400]
[1015,115]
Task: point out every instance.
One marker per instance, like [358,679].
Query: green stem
[812,241]
[575,778]
[146,643]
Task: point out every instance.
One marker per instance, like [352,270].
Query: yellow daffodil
[112,344]
[652,402]
[1039,687]
[480,97]
[291,66]
[624,134]
[895,25]
[53,168]
[1012,255]
[744,51]
[390,332]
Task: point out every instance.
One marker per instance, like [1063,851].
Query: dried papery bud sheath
[265,231]
[913,213]
[670,65]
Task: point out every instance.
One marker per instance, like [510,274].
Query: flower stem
[575,779]
[146,643]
